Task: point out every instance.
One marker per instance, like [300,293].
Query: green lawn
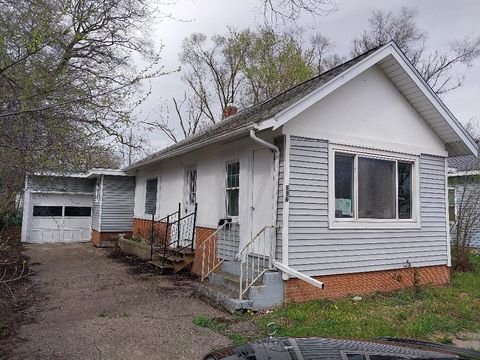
[433,313]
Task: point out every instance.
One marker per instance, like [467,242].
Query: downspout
[282,267]
[276,171]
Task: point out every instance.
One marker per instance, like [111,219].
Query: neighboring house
[464,170]
[360,154]
[94,206]
[339,183]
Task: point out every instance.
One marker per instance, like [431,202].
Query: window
[78,210]
[451,204]
[372,187]
[233,188]
[151,196]
[191,186]
[47,211]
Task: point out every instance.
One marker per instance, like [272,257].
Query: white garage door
[59,218]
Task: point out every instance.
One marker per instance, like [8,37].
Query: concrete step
[222,297]
[264,294]
[227,280]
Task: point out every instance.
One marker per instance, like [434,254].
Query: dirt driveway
[95,307]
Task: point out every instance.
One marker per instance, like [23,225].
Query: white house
[337,186]
[358,155]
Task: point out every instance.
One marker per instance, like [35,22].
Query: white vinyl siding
[117,203]
[316,249]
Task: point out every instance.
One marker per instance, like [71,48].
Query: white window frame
[187,184]
[359,223]
[234,218]
[145,196]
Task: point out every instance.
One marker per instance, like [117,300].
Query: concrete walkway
[95,307]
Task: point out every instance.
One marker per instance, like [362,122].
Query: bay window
[372,188]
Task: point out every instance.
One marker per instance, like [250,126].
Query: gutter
[190,147]
[276,172]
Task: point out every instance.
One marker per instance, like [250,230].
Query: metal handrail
[210,259]
[253,261]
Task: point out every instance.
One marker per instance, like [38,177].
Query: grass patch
[414,314]
[212,324]
[237,339]
[222,326]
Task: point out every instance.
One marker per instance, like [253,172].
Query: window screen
[47,211]
[78,210]
[376,189]
[344,185]
[233,188]
[151,196]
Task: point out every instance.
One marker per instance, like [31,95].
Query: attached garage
[59,218]
[96,206]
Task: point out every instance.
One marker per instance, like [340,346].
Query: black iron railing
[173,232]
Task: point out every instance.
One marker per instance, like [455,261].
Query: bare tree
[437,68]
[465,221]
[291,10]
[323,55]
[241,68]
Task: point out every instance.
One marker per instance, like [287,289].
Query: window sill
[375,224]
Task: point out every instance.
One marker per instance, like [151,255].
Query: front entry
[190,199]
[262,196]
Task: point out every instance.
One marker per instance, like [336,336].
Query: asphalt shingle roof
[259,112]
[463,163]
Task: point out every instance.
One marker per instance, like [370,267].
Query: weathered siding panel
[117,203]
[318,250]
[281,176]
[61,184]
[96,216]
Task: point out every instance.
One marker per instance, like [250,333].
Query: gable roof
[463,165]
[276,111]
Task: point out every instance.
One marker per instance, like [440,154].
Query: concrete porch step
[222,297]
[227,280]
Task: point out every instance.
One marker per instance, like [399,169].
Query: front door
[190,199]
[262,198]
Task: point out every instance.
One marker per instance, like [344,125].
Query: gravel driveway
[96,307]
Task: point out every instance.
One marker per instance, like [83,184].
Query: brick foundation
[143,228]
[337,286]
[202,233]
[98,237]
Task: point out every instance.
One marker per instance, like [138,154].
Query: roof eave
[470,146]
[191,147]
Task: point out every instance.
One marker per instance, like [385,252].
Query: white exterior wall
[369,114]
[211,181]
[368,111]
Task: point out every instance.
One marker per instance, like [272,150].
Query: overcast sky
[444,21]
